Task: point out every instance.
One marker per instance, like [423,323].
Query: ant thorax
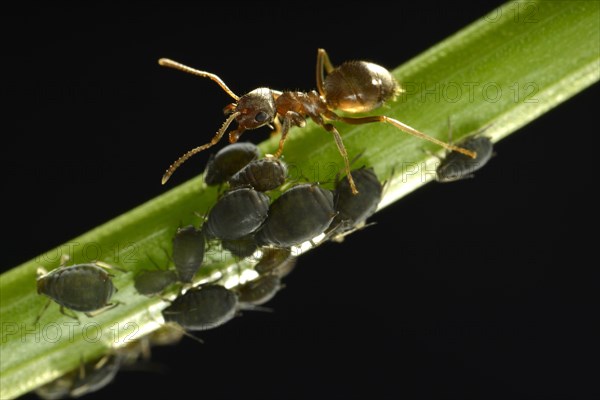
[302,103]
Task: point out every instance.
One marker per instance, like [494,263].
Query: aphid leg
[323,64]
[110,306]
[403,127]
[42,311]
[64,312]
[344,153]
[198,149]
[81,367]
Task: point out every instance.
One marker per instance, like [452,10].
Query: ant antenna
[166,62]
[198,149]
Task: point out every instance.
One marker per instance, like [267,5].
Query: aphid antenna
[64,259]
[108,266]
[158,267]
[184,332]
[252,307]
[176,327]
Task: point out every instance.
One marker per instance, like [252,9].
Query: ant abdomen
[359,86]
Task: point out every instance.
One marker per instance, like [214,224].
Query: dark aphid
[354,86]
[88,378]
[151,283]
[457,166]
[264,174]
[242,247]
[202,309]
[237,214]
[188,252]
[228,161]
[81,287]
[299,214]
[353,210]
[260,290]
[275,261]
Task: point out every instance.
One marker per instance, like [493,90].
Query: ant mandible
[354,86]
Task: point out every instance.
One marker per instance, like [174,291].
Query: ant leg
[343,152]
[290,118]
[284,131]
[323,64]
[276,127]
[198,149]
[403,127]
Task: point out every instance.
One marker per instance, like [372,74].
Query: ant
[354,86]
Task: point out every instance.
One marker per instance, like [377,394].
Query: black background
[442,298]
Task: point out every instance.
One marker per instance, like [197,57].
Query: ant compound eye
[261,116]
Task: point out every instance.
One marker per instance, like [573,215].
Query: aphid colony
[245,220]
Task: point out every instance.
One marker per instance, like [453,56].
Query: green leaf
[503,71]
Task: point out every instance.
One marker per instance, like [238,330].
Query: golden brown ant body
[354,86]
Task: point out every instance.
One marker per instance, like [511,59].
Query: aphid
[237,214]
[202,309]
[88,378]
[81,287]
[457,166]
[299,214]
[275,261]
[188,252]
[242,247]
[151,283]
[353,210]
[354,86]
[260,290]
[228,161]
[264,174]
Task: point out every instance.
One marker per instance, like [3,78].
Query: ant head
[255,109]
